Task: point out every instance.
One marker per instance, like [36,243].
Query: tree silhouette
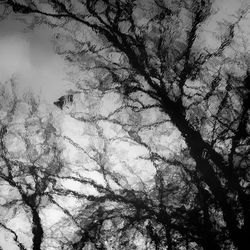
[152,54]
[29,158]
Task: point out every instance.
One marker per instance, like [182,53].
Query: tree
[30,158]
[152,54]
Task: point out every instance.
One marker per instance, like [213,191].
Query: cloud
[34,65]
[14,58]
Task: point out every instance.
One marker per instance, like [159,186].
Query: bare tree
[150,53]
[30,157]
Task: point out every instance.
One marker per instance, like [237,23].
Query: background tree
[153,54]
[30,157]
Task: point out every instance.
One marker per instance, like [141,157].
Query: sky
[28,57]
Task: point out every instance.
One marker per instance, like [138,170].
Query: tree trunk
[37,230]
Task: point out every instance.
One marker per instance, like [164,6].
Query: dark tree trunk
[37,229]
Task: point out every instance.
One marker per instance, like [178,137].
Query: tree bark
[37,229]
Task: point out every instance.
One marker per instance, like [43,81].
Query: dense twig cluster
[157,65]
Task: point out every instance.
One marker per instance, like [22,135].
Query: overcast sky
[28,56]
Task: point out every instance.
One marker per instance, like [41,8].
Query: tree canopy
[161,160]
